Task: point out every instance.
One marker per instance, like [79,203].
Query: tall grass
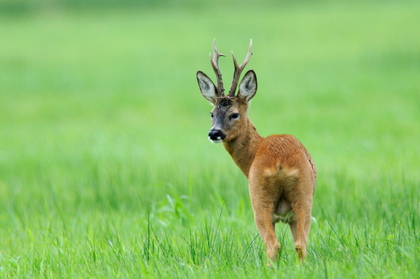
[105,170]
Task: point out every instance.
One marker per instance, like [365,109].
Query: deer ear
[207,87]
[248,86]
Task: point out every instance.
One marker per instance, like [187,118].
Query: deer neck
[244,147]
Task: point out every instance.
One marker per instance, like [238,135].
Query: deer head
[229,114]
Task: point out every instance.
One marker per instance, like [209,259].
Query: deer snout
[216,135]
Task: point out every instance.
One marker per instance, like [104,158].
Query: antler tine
[215,64]
[239,69]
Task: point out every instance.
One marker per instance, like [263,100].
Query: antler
[215,63]
[238,70]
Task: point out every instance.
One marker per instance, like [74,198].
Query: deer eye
[211,114]
[234,116]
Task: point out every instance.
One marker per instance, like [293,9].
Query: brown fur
[281,174]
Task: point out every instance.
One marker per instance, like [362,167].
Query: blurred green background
[104,135]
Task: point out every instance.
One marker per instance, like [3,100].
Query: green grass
[106,172]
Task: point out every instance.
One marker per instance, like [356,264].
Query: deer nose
[216,135]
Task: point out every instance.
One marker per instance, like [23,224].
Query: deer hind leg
[263,200]
[301,225]
[264,220]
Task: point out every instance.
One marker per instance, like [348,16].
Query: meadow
[105,166]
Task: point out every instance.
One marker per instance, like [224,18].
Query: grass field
[106,171]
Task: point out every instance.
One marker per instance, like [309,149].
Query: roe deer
[281,174]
